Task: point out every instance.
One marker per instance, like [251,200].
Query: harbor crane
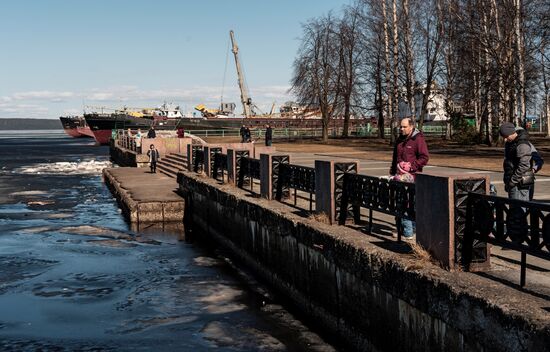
[248,106]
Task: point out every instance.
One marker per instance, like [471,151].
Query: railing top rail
[521,203]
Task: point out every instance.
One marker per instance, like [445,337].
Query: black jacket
[517,158]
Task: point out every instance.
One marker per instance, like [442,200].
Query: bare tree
[317,72]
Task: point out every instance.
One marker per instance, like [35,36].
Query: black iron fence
[300,178]
[198,158]
[518,225]
[219,166]
[249,169]
[377,194]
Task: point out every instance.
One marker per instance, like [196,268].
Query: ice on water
[84,167]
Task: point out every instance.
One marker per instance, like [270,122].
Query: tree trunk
[522,114]
[395,66]
[389,109]
[379,102]
[409,70]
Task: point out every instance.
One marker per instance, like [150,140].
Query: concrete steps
[171,164]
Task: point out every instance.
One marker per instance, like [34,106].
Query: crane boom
[245,98]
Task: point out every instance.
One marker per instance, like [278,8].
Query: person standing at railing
[410,155]
[180,132]
[137,138]
[268,135]
[152,133]
[242,132]
[247,135]
[519,175]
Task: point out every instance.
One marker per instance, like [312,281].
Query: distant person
[180,132]
[152,133]
[154,156]
[137,138]
[247,135]
[410,155]
[242,132]
[519,175]
[129,132]
[268,135]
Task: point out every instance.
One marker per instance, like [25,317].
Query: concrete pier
[145,197]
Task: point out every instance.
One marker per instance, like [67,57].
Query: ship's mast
[245,98]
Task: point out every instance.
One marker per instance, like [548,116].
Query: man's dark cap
[507,129]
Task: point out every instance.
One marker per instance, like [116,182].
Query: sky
[61,57]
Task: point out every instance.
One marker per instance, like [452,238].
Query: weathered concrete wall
[124,157]
[165,145]
[371,298]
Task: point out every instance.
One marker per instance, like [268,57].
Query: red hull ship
[75,126]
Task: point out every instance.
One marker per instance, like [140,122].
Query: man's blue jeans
[409,227]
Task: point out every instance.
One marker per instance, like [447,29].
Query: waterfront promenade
[151,189]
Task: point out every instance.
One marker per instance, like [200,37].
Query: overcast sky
[59,55]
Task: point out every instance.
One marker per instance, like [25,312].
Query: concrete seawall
[370,297]
[144,197]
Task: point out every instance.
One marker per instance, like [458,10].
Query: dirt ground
[442,152]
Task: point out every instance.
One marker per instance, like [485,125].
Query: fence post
[233,164]
[441,206]
[270,173]
[209,152]
[190,157]
[329,186]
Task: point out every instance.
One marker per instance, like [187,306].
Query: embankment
[372,298]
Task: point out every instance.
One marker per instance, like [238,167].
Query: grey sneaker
[408,238]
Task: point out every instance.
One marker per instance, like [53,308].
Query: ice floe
[85,167]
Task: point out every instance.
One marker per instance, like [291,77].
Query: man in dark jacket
[411,155]
[268,135]
[151,133]
[517,161]
[242,132]
[154,156]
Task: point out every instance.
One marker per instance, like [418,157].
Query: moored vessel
[75,126]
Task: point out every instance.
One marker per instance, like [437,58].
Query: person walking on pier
[268,135]
[152,133]
[154,156]
[242,132]
[410,155]
[247,135]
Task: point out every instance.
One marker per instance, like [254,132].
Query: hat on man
[507,129]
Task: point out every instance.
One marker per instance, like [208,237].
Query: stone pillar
[233,164]
[329,177]
[270,174]
[190,157]
[209,152]
[441,216]
[261,149]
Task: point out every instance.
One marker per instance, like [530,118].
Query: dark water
[73,276]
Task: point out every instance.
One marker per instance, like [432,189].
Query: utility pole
[245,98]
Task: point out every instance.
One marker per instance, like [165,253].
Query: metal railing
[514,224]
[219,166]
[377,194]
[198,158]
[248,171]
[289,133]
[300,178]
